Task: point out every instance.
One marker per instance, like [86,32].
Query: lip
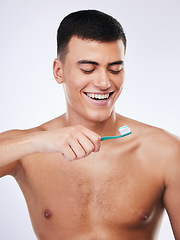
[99,102]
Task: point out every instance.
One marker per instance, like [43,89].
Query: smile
[97,96]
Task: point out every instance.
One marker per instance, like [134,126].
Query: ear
[58,71]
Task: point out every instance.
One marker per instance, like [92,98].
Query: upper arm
[9,140]
[10,168]
[171,196]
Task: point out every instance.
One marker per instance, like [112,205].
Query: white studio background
[30,96]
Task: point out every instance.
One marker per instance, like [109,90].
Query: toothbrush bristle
[124,130]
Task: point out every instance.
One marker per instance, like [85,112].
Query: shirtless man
[77,187]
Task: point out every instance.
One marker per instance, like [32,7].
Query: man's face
[93,77]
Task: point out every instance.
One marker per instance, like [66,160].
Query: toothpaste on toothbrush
[124,131]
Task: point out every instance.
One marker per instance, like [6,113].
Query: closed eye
[87,71]
[115,69]
[114,72]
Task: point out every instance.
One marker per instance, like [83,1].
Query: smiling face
[92,76]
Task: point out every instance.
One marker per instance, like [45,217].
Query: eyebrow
[116,63]
[87,62]
[95,63]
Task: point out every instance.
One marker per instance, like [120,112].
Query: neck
[103,128]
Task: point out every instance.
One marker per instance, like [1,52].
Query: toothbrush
[124,131]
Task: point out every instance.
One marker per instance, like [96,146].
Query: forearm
[72,142]
[16,147]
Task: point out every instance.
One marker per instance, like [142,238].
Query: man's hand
[72,142]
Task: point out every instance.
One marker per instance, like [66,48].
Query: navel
[48,213]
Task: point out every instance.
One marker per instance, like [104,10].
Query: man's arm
[72,142]
[14,145]
[171,196]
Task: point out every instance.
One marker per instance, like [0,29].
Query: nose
[102,80]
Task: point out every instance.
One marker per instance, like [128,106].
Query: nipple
[48,213]
[144,216]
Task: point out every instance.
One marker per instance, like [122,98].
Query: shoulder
[50,125]
[152,135]
[159,141]
[55,123]
[158,149]
[162,150]
[160,137]
[165,143]
[170,152]
[154,141]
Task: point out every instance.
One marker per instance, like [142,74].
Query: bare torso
[114,194]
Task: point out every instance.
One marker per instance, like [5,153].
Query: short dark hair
[89,25]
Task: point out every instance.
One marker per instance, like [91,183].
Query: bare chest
[110,190]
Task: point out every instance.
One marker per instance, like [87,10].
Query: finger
[77,148]
[94,138]
[68,153]
[86,144]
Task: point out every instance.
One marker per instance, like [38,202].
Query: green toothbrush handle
[114,137]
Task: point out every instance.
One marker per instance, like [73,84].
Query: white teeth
[98,96]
